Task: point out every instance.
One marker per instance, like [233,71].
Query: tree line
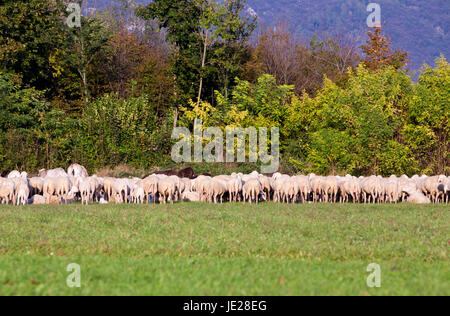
[111,91]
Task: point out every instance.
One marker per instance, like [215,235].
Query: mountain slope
[417,26]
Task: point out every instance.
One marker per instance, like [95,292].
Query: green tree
[181,19]
[83,44]
[231,50]
[265,103]
[427,129]
[114,130]
[332,152]
[199,29]
[29,39]
[29,128]
[367,112]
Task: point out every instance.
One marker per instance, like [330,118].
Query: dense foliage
[110,92]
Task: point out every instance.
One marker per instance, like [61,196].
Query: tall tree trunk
[86,97]
[175,116]
[205,45]
[83,70]
[175,108]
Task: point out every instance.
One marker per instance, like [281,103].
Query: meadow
[229,249]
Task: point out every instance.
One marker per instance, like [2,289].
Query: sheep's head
[408,189]
[442,179]
[42,173]
[444,187]
[263,196]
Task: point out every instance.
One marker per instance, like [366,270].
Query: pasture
[228,249]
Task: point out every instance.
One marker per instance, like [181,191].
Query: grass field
[199,249]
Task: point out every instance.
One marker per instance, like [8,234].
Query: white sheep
[392,192]
[329,188]
[36,184]
[37,200]
[23,192]
[430,187]
[49,188]
[96,187]
[371,189]
[185,186]
[277,185]
[191,197]
[177,181]
[444,188]
[265,185]
[418,198]
[289,190]
[63,186]
[53,173]
[316,187]
[14,174]
[56,186]
[137,194]
[234,187]
[77,170]
[85,191]
[304,187]
[108,185]
[251,190]
[7,191]
[406,183]
[121,190]
[349,187]
[167,189]
[150,186]
[201,186]
[216,189]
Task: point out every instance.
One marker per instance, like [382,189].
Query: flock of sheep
[59,186]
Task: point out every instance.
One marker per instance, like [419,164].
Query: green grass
[199,249]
